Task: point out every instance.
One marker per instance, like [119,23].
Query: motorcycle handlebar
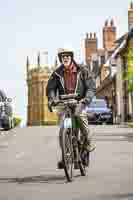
[63,99]
[64,102]
[68,96]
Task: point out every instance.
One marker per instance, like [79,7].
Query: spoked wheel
[67,152]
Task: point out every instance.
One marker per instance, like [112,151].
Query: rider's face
[66,60]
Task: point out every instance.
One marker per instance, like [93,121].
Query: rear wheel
[67,152]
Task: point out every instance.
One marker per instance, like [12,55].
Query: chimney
[86,35]
[112,22]
[109,35]
[91,44]
[130,16]
[106,23]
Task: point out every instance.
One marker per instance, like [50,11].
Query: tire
[6,127]
[66,145]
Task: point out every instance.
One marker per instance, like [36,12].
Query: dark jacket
[85,87]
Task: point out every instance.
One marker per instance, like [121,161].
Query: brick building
[112,63]
[104,84]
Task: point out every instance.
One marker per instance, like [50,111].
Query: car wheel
[6,127]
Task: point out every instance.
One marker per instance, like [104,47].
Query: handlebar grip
[55,103]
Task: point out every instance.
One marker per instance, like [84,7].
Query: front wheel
[67,152]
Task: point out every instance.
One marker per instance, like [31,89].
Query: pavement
[28,166]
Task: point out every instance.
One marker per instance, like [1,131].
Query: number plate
[68,123]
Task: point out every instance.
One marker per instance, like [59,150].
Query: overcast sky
[29,26]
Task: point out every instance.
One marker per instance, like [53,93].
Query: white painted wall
[119,89]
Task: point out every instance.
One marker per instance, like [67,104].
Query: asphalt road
[28,159]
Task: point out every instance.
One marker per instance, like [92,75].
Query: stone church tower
[37,110]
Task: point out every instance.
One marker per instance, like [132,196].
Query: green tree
[128,75]
[17,121]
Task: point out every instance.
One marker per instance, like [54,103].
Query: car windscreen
[98,104]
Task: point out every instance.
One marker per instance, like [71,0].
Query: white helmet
[63,51]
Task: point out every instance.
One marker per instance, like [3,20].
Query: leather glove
[80,107]
[86,101]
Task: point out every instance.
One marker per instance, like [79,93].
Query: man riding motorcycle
[70,78]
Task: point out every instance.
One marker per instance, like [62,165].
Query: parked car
[6,112]
[98,112]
